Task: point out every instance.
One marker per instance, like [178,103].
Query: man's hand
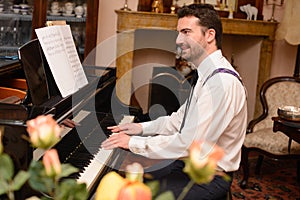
[69,123]
[116,140]
[129,129]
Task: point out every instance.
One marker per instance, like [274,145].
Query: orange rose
[43,131]
[134,191]
[52,163]
[202,161]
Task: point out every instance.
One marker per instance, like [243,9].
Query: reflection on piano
[90,108]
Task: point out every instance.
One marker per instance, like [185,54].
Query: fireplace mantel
[128,21]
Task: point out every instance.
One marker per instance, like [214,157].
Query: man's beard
[192,55]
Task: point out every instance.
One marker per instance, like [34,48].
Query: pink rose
[202,161]
[43,131]
[51,163]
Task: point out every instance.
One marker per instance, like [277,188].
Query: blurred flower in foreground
[43,131]
[201,164]
[51,163]
[48,178]
[129,188]
[202,161]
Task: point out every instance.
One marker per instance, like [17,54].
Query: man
[216,110]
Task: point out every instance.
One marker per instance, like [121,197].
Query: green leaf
[6,167]
[168,195]
[66,170]
[70,189]
[19,180]
[154,187]
[38,179]
[3,187]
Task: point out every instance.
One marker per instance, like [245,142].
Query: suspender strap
[219,70]
[223,70]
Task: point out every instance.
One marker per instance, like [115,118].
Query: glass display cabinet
[15,26]
[19,19]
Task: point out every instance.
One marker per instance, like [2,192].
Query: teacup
[54,10]
[24,6]
[79,11]
[55,4]
[54,7]
[69,7]
[16,8]
[24,9]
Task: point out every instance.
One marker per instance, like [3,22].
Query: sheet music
[60,51]
[74,60]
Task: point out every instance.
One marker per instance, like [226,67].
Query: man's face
[191,39]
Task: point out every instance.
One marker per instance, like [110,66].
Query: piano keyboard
[80,146]
[89,173]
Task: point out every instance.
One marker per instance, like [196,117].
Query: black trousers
[172,177]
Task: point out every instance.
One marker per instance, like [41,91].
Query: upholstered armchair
[260,137]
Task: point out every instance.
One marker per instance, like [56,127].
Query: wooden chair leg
[229,195]
[259,164]
[245,167]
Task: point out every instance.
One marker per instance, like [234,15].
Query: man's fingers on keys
[108,144]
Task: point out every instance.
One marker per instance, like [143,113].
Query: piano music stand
[41,84]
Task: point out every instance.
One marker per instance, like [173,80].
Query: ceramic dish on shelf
[55,14]
[289,112]
[68,15]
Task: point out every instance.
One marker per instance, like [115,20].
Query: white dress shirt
[217,113]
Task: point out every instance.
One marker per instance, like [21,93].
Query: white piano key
[92,171]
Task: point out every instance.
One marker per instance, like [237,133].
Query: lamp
[289,28]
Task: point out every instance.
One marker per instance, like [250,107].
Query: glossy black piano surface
[78,145]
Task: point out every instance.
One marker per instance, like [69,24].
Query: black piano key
[81,144]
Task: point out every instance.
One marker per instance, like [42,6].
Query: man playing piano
[216,110]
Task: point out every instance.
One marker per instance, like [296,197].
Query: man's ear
[210,35]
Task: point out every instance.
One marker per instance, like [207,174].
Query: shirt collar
[209,64]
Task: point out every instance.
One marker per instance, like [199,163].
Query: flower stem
[10,192]
[11,195]
[186,190]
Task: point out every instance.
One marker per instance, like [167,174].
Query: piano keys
[90,107]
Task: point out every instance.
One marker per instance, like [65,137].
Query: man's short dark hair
[208,17]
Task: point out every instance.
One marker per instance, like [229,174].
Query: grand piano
[93,108]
